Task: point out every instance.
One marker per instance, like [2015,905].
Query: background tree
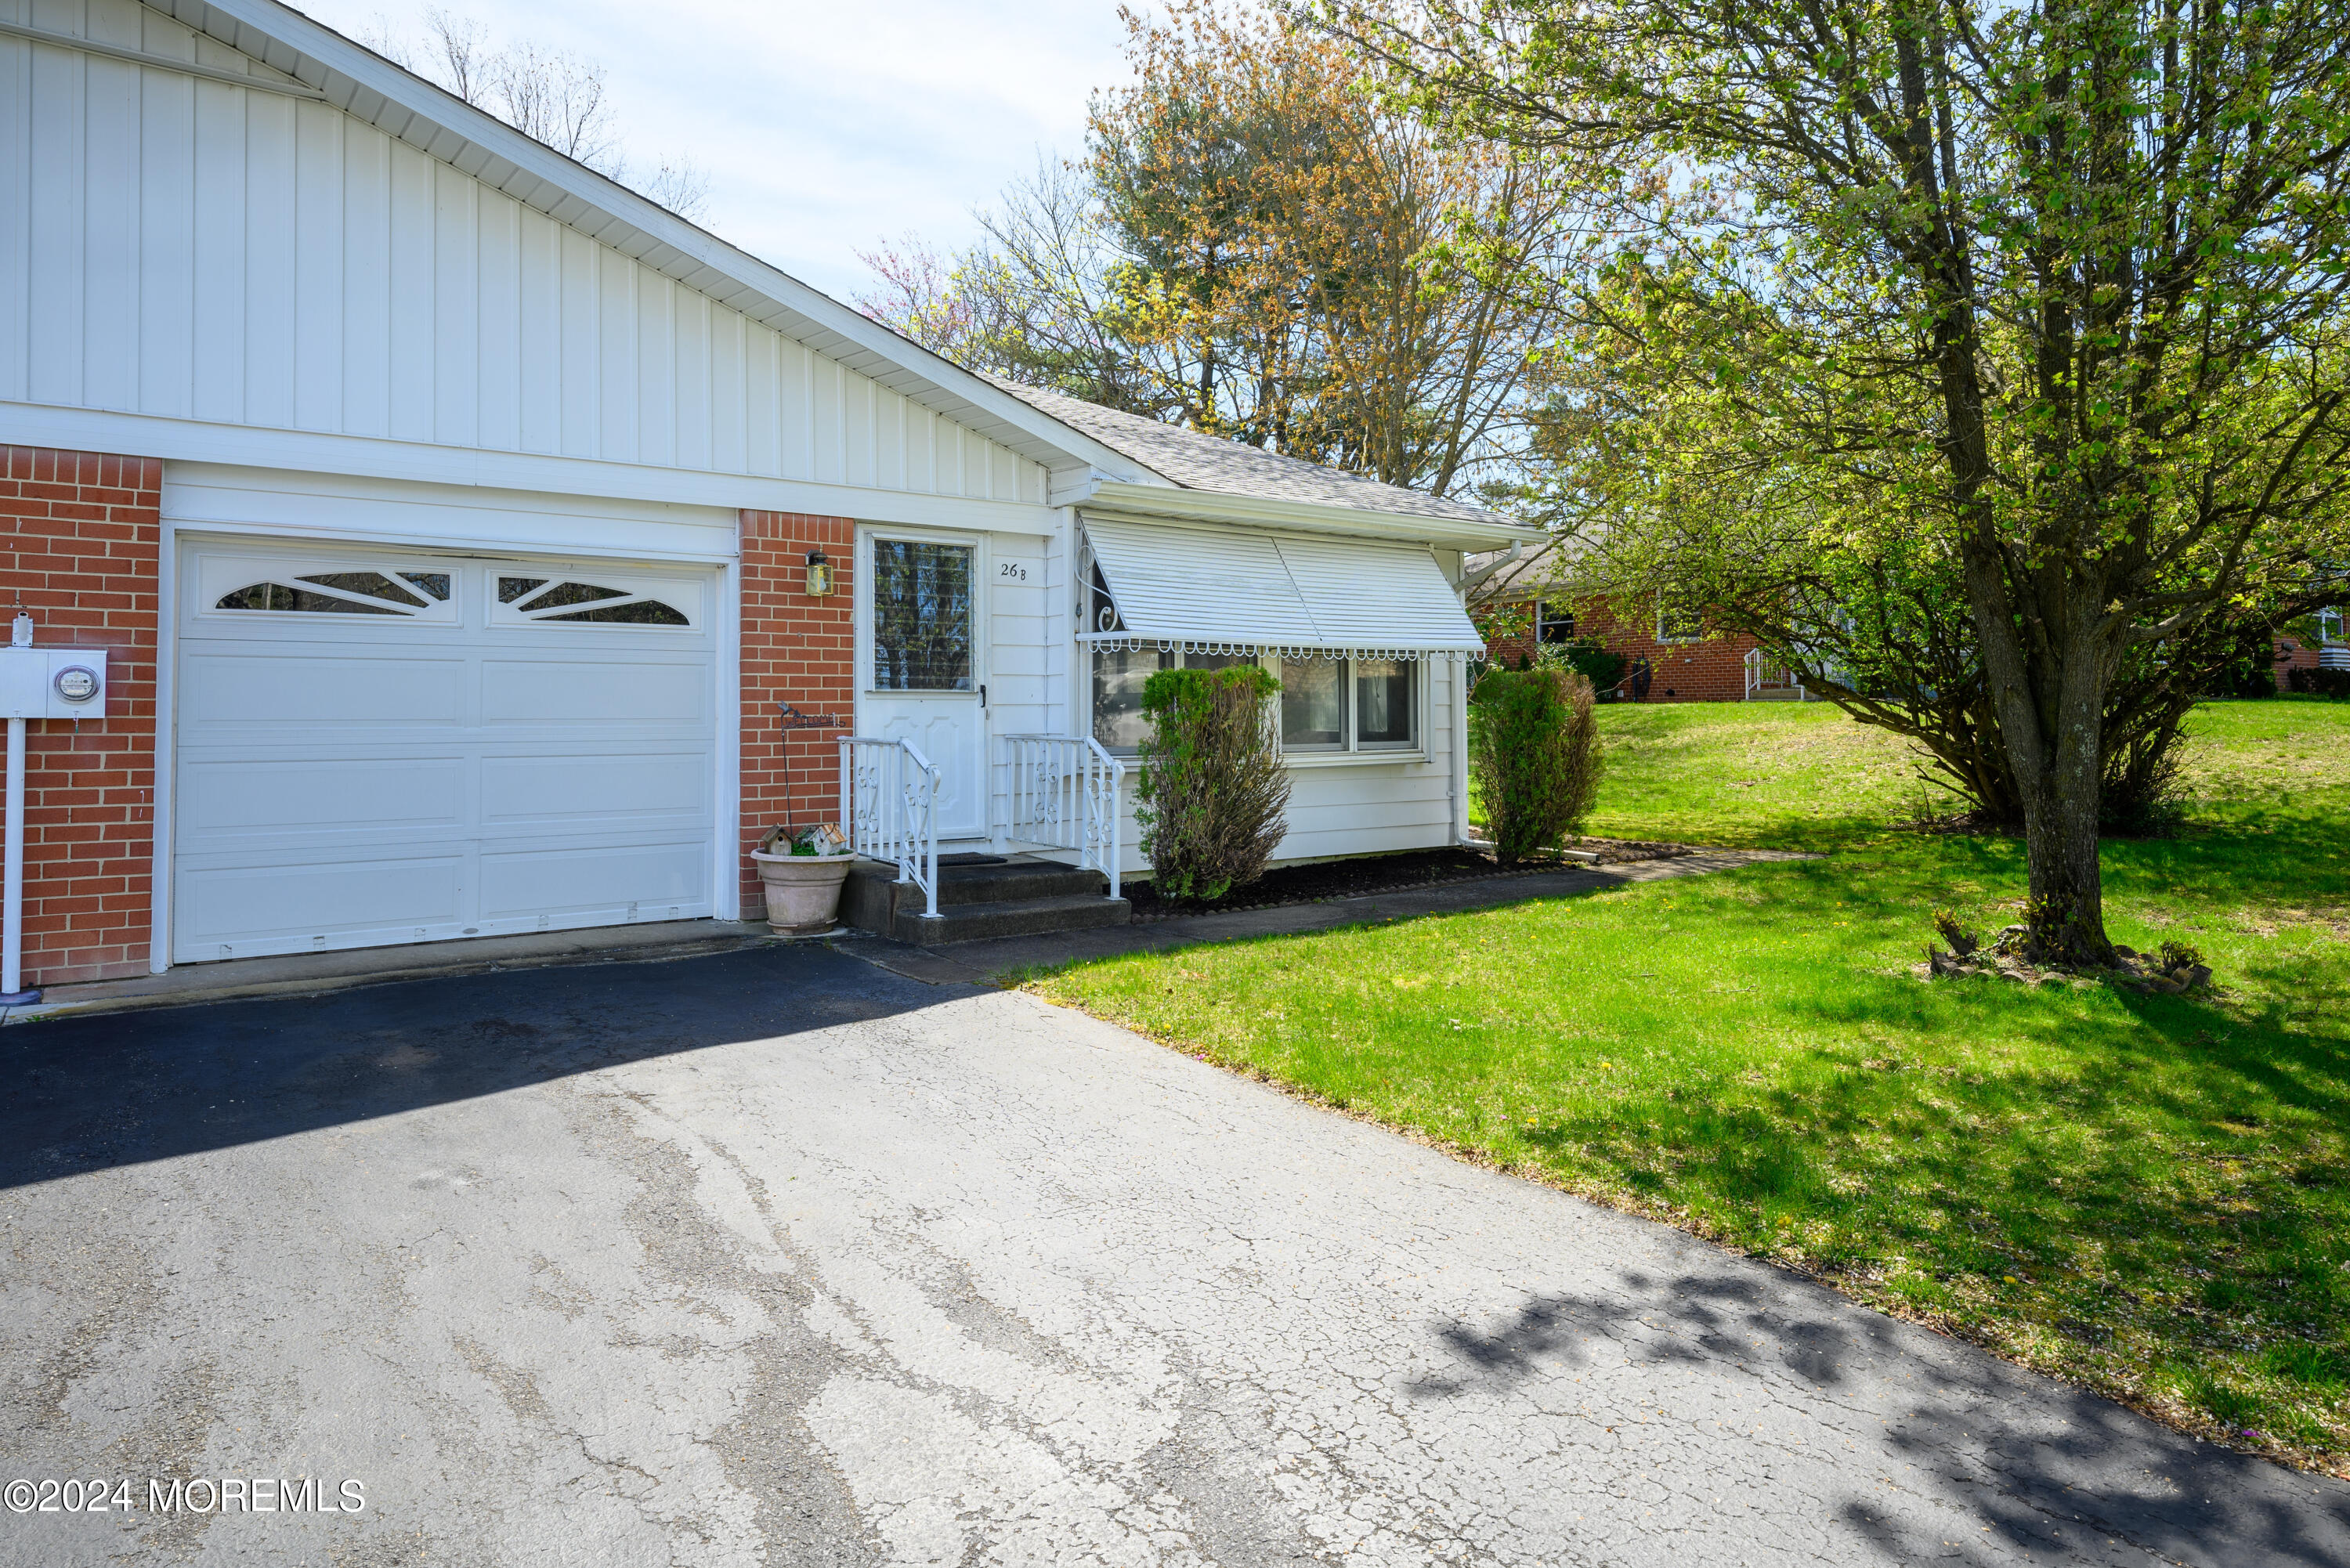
[1255,246]
[2044,298]
[551,96]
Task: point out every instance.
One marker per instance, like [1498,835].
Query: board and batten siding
[183,247]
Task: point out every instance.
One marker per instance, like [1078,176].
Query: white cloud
[825,128]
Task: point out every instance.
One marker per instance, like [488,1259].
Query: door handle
[983,696]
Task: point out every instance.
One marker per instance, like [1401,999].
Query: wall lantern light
[819,575]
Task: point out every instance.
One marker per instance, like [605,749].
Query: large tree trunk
[2063,913]
[2048,683]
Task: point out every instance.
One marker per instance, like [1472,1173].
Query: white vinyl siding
[1368,802]
[195,250]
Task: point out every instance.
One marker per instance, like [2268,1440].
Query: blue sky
[824,127]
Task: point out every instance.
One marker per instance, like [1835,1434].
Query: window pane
[1554,623]
[921,616]
[374,584]
[574,594]
[1383,702]
[1216,660]
[644,612]
[512,588]
[1313,701]
[278,596]
[1118,675]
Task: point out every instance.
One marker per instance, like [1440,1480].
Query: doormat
[971,857]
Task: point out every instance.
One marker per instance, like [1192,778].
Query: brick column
[800,650]
[79,534]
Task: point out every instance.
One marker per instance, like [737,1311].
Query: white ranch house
[447,514]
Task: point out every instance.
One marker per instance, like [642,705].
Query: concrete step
[1775,694]
[1016,896]
[1013,879]
[1008,918]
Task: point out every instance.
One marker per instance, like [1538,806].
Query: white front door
[921,674]
[380,746]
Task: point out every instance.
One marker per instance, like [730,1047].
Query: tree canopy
[1255,246]
[2020,325]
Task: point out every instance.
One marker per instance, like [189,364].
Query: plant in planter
[1213,792]
[802,875]
[1536,747]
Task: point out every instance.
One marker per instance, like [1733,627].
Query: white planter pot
[803,890]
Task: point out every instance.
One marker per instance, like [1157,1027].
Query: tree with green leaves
[1255,246]
[2036,308]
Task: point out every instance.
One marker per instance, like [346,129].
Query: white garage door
[378,747]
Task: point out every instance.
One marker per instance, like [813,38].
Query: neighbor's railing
[890,794]
[1761,674]
[1061,791]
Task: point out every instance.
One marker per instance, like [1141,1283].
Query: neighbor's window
[1553,622]
[1677,623]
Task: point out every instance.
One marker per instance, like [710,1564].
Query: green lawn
[2148,1195]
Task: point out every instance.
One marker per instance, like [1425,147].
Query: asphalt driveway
[778,1257]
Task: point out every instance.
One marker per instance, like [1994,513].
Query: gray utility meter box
[52,683]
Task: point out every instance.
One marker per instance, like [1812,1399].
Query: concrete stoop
[1019,897]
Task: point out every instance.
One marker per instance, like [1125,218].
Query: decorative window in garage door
[316,587]
[598,597]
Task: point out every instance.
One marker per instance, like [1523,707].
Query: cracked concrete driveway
[775,1257]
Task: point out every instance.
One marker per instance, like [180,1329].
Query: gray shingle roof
[1198,462]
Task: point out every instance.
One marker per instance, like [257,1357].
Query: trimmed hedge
[1535,746]
[1214,793]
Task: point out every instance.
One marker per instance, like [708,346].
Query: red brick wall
[800,650]
[2293,653]
[79,534]
[1712,669]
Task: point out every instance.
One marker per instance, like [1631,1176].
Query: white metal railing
[1061,791]
[1759,674]
[889,796]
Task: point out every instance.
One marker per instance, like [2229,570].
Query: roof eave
[413,110]
[1145,502]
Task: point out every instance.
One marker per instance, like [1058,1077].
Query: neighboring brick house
[2326,651]
[1687,663]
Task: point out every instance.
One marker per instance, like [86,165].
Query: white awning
[1179,584]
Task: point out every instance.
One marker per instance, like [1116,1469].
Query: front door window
[922,615]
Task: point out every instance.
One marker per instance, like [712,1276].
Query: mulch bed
[1331,879]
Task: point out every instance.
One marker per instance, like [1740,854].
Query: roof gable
[412,110]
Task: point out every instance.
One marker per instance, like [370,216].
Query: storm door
[922,668]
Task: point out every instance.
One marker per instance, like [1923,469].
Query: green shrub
[2142,794]
[2333,683]
[1536,747]
[1213,792]
[1594,663]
